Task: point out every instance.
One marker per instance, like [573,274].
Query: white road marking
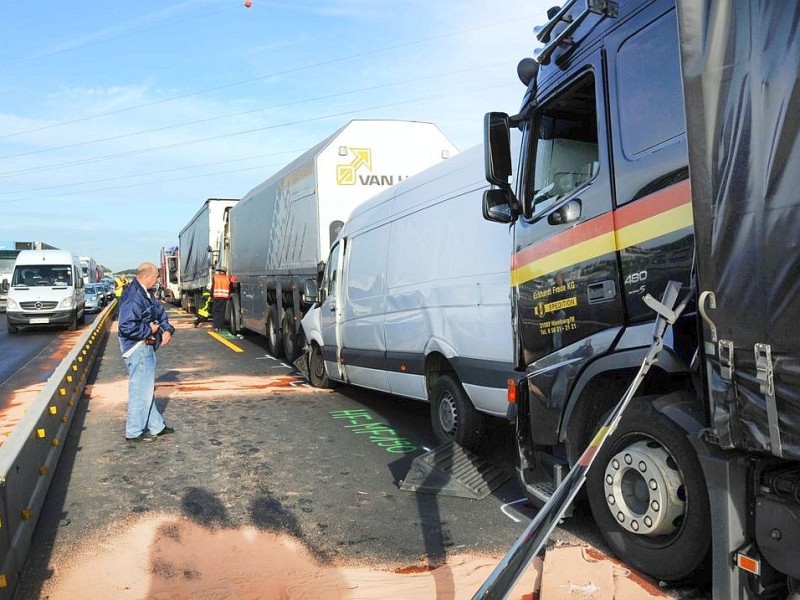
[508,513]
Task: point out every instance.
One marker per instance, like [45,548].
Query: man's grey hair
[146,269]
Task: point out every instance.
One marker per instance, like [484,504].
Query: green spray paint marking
[362,423]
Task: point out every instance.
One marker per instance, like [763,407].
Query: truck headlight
[12,304]
[66,302]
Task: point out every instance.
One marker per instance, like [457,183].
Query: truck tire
[292,340]
[453,418]
[274,341]
[648,496]
[317,374]
[235,314]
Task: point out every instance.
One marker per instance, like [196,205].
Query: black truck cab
[601,216]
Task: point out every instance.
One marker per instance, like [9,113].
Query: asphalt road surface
[256,446]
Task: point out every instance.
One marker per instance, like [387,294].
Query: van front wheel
[316,369]
[453,418]
[73,324]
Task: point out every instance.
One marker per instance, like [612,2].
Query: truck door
[653,218]
[330,313]
[565,273]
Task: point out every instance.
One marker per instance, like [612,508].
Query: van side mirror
[310,291]
[4,285]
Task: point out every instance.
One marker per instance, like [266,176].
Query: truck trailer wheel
[274,341]
[453,417]
[648,495]
[292,340]
[235,314]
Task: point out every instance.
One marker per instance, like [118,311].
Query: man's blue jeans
[142,412]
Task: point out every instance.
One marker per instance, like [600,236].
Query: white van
[414,301]
[46,290]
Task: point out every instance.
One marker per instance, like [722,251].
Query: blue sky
[118,119]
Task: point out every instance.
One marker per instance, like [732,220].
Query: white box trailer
[414,301]
[280,233]
[198,246]
[89,270]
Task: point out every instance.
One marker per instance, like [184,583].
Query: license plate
[40,321]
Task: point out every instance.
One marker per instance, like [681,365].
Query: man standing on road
[222,291]
[143,327]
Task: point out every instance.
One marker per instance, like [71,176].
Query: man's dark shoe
[167,429]
[143,437]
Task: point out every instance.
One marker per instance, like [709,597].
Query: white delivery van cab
[46,290]
[414,301]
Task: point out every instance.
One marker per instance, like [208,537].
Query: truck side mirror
[497,148]
[310,291]
[497,206]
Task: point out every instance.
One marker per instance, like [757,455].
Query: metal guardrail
[29,457]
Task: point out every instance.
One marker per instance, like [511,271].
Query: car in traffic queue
[95,297]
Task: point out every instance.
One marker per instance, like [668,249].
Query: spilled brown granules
[163,556]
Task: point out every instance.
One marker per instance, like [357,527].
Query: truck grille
[38,305]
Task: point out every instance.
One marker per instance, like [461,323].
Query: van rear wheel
[453,417]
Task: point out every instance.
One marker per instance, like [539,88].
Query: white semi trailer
[197,243]
[279,234]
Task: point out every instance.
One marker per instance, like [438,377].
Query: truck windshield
[41,275]
[563,139]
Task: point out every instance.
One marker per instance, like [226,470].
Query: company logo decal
[347,174]
[359,171]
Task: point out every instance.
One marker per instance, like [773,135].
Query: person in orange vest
[221,291]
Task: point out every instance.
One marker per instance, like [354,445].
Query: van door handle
[332,308]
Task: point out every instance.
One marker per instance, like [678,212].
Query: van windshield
[40,275]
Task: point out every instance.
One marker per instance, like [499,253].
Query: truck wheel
[292,340]
[453,417]
[274,342]
[648,495]
[316,369]
[234,318]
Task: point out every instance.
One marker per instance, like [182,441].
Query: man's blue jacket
[137,309]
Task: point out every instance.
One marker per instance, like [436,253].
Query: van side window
[565,135]
[366,266]
[650,98]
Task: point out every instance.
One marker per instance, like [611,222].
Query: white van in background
[46,290]
[414,301]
